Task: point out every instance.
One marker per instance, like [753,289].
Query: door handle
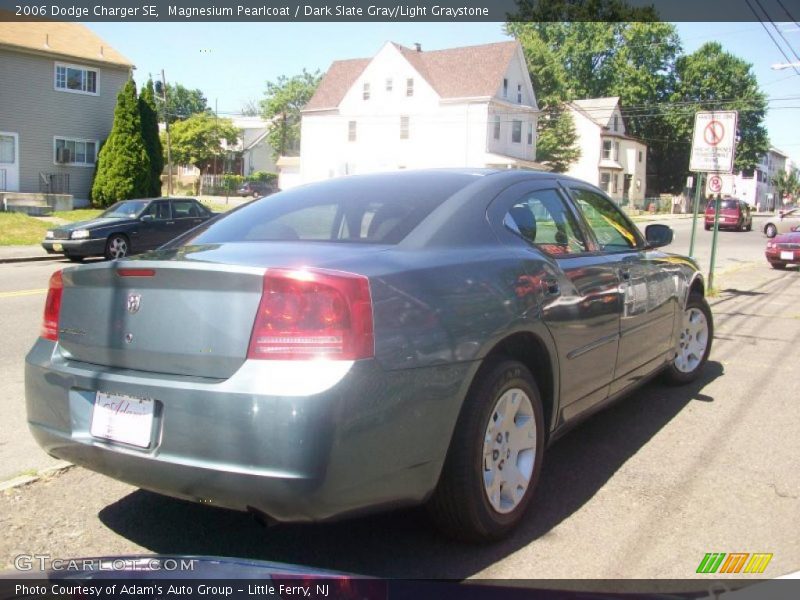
[550,286]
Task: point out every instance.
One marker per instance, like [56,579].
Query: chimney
[418,46]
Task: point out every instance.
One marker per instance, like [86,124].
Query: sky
[231,62]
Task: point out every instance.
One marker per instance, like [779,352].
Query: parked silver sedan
[783,222]
[365,343]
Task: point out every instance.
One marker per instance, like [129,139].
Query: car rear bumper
[75,247]
[783,256]
[362,438]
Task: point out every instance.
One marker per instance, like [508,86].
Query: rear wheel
[749,226]
[694,342]
[708,227]
[778,265]
[770,230]
[495,456]
[73,258]
[116,246]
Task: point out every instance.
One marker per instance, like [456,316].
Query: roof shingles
[467,72]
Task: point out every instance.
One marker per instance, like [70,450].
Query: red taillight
[307,314]
[52,307]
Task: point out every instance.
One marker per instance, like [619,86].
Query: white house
[610,158]
[405,109]
[755,185]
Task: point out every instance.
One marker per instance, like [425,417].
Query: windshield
[125,210]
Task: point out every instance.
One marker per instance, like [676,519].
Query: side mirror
[658,235]
[148,218]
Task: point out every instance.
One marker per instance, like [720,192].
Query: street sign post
[713,150]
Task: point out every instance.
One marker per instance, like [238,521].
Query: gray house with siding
[57,99]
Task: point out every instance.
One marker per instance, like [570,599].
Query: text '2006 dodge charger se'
[363,343]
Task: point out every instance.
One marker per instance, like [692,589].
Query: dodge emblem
[134,302]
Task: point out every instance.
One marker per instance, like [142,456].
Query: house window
[640,156]
[410,86]
[530,134]
[505,88]
[605,181]
[615,182]
[516,131]
[616,150]
[389,84]
[519,93]
[71,78]
[76,152]
[610,150]
[351,131]
[404,121]
[616,122]
[7,150]
[497,127]
[366,91]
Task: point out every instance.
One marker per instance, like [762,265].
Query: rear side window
[345,210]
[724,204]
[542,219]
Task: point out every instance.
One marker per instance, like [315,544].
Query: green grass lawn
[17,229]
[80,214]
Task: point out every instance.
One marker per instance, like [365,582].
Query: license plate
[787,255]
[58,247]
[121,418]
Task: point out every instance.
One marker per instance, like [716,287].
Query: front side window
[542,219]
[612,230]
[75,152]
[159,211]
[516,132]
[76,79]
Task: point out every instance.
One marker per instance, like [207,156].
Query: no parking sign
[714,142]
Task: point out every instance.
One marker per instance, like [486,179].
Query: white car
[783,222]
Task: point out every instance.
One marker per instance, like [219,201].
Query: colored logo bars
[736,562]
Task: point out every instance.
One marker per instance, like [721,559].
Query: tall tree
[198,140]
[251,108]
[152,141]
[281,105]
[123,166]
[182,103]
[786,184]
[713,79]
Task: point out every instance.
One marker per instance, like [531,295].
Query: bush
[232,182]
[262,177]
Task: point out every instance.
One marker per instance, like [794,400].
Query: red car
[733,214]
[784,249]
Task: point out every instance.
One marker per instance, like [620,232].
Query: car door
[578,288]
[186,214]
[156,226]
[647,285]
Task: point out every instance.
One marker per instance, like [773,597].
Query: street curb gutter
[16,482]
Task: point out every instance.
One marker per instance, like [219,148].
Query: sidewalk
[11,254]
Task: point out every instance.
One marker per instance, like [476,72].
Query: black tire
[117,246]
[672,374]
[749,226]
[460,504]
[778,265]
[708,227]
[770,230]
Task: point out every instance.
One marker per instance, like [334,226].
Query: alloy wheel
[117,247]
[693,340]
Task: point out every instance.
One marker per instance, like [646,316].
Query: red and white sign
[714,142]
[715,184]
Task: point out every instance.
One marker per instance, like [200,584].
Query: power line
[779,32]
[774,41]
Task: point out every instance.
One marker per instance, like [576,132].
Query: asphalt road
[642,490]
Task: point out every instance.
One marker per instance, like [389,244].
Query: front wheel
[495,456]
[116,247]
[694,342]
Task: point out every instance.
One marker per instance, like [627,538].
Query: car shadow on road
[404,543]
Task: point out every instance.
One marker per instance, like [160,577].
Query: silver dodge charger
[365,343]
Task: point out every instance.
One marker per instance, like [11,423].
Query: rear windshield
[346,210]
[724,204]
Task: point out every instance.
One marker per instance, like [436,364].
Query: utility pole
[169,144]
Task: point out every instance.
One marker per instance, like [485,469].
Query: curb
[22,480]
[18,259]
